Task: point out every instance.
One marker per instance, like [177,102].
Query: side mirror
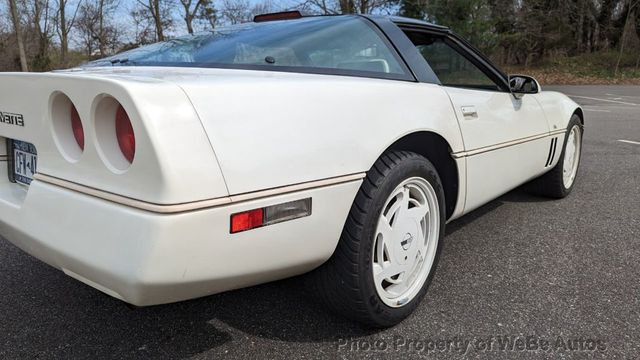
[521,85]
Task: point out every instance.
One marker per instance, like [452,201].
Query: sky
[122,18]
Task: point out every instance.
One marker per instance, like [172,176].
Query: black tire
[345,282]
[551,184]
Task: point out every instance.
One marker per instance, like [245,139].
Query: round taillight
[76,127]
[125,135]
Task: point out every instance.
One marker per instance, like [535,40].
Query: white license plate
[25,162]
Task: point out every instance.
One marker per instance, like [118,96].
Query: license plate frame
[24,162]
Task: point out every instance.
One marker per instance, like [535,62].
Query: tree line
[525,31]
[45,34]
[40,35]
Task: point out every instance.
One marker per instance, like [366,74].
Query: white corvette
[339,144]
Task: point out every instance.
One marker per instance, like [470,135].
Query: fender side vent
[552,152]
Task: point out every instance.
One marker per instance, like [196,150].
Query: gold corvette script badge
[11,118]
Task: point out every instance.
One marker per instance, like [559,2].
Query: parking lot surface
[560,277]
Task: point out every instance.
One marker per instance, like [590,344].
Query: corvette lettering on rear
[11,118]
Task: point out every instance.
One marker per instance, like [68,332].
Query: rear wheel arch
[580,114]
[438,151]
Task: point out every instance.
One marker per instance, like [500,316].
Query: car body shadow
[518,195]
[46,312]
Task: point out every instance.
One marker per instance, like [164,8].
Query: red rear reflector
[270,215]
[76,127]
[125,135]
[247,220]
[285,15]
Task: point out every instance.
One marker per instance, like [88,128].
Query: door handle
[469,111]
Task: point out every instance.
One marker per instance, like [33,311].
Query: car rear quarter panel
[270,130]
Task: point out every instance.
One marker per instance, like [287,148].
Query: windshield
[336,45]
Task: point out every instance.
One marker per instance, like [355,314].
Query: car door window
[449,65]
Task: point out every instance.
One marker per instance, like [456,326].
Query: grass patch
[588,69]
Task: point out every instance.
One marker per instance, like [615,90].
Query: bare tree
[208,15]
[240,11]
[347,6]
[64,24]
[631,8]
[192,8]
[15,18]
[94,24]
[263,7]
[329,7]
[322,7]
[160,14]
[143,27]
[40,17]
[236,11]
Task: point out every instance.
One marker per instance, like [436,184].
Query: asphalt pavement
[521,277]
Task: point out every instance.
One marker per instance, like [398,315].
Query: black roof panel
[412,21]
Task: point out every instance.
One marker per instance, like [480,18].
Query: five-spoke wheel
[389,247]
[405,241]
[571,156]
